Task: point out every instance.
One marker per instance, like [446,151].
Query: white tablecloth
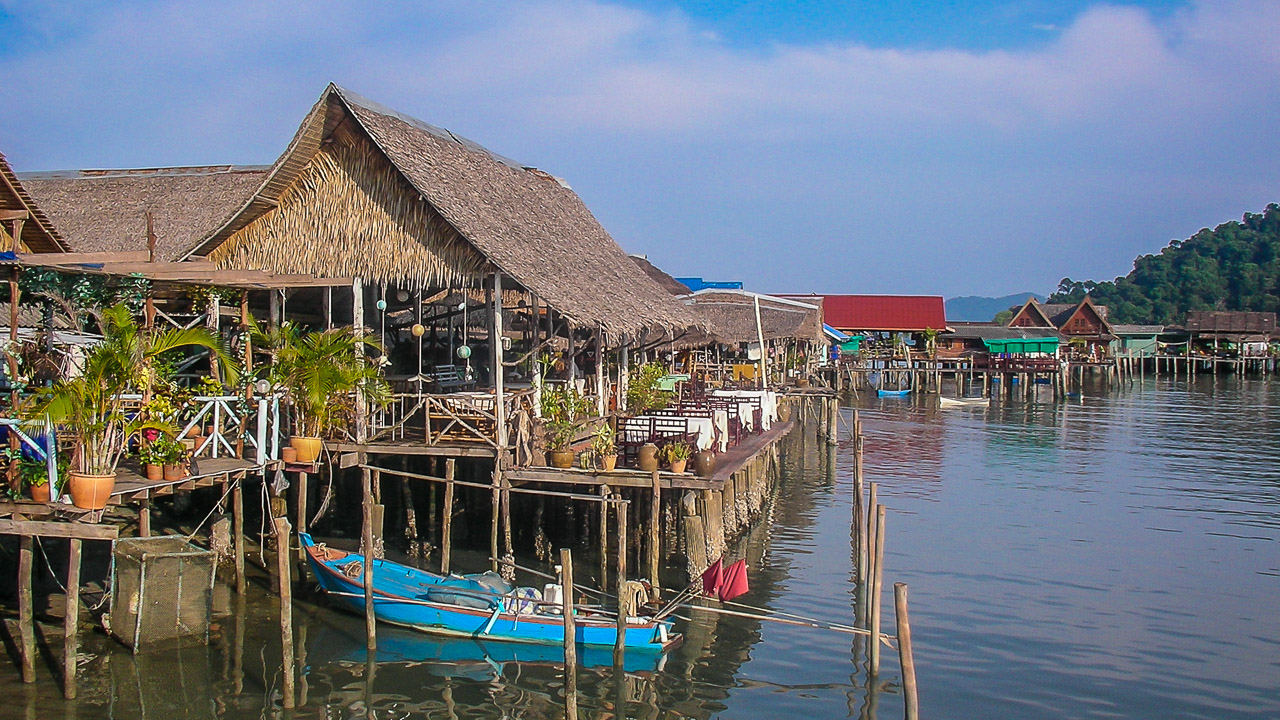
[768,405]
[636,429]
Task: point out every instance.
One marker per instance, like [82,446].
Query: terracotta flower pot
[704,463]
[288,455]
[40,493]
[174,473]
[562,459]
[677,466]
[647,458]
[90,492]
[608,463]
[309,448]
[155,473]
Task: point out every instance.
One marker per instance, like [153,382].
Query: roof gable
[1031,314]
[37,233]
[1085,319]
[523,222]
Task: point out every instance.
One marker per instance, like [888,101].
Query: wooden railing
[452,418]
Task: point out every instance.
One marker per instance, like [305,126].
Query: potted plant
[35,473]
[152,458]
[91,406]
[562,408]
[604,447]
[316,369]
[172,455]
[677,455]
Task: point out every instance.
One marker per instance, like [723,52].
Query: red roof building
[880,313]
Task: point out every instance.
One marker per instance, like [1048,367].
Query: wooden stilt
[655,530]
[237,532]
[906,660]
[144,517]
[446,519]
[877,584]
[494,512]
[604,538]
[26,614]
[71,622]
[570,636]
[283,534]
[619,647]
[370,630]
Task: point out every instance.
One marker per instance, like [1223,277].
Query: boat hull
[399,599]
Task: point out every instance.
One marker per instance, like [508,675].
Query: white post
[499,399]
[764,363]
[262,430]
[624,377]
[537,357]
[357,328]
[602,403]
[275,427]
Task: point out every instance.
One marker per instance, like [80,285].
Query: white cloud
[656,113]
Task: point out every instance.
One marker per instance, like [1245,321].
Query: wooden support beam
[237,534]
[370,630]
[49,528]
[283,534]
[446,520]
[570,636]
[620,645]
[655,530]
[26,613]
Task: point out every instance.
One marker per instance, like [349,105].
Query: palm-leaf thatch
[360,219]
[105,210]
[731,319]
[523,222]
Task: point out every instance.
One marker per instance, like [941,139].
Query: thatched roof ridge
[731,318]
[658,275]
[38,232]
[105,210]
[523,222]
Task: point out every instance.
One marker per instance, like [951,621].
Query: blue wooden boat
[893,393]
[462,606]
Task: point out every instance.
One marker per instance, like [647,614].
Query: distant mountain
[974,308]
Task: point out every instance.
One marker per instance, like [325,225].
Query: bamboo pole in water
[286,607]
[655,529]
[370,632]
[446,519]
[906,660]
[620,644]
[570,635]
[869,575]
[876,585]
[71,622]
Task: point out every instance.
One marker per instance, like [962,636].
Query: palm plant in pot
[317,371]
[677,455]
[91,406]
[562,410]
[605,448]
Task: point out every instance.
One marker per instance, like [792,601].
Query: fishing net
[161,592]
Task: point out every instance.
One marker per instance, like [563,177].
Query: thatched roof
[731,318]
[105,210]
[38,233]
[668,283]
[446,211]
[1219,322]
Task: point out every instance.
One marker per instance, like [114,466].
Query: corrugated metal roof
[881,313]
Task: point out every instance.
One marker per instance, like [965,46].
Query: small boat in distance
[963,402]
[893,393]
[479,606]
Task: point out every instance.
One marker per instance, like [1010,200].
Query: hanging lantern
[418,330]
[402,295]
[382,304]
[464,351]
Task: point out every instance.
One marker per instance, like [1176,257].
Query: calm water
[1113,556]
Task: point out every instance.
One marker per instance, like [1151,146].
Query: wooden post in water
[833,421]
[655,529]
[877,584]
[26,613]
[870,544]
[604,537]
[446,517]
[906,660]
[237,532]
[283,534]
[370,630]
[570,636]
[71,622]
[620,645]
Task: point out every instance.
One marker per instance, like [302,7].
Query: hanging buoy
[418,330]
[464,352]
[382,304]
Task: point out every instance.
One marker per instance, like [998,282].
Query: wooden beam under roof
[198,272]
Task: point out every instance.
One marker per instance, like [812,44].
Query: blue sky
[926,147]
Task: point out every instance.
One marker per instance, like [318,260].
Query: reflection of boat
[469,606]
[964,402]
[461,657]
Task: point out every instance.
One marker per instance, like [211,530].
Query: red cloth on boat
[711,579]
[734,581]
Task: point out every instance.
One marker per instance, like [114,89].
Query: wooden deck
[416,446]
[726,465]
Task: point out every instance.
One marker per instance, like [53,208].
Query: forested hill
[1235,266]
